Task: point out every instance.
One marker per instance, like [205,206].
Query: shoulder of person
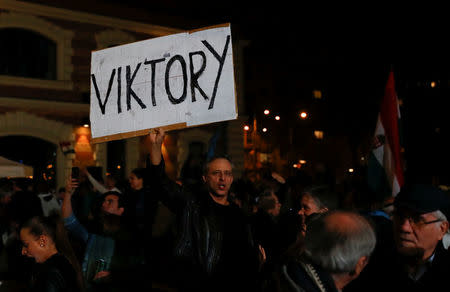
[442,256]
[59,272]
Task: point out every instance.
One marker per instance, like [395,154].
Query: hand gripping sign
[177,81]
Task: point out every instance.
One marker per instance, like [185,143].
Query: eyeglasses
[416,220]
[218,173]
[110,201]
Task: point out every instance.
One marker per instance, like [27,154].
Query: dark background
[345,51]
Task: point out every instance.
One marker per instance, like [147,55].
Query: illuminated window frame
[318,134]
[317,94]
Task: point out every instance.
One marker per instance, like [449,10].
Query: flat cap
[423,198]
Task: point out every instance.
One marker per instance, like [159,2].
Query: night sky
[348,55]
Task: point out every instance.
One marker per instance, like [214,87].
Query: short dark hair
[22,183]
[120,201]
[213,158]
[265,200]
[139,172]
[112,177]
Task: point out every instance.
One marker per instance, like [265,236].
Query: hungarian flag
[385,170]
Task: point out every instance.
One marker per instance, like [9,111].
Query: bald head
[338,239]
[344,222]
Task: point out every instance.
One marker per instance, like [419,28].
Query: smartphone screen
[75,172]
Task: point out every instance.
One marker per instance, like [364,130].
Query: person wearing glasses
[214,250]
[419,261]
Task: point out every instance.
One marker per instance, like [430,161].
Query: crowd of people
[217,233]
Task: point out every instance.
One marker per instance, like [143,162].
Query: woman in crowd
[316,199]
[45,240]
[136,194]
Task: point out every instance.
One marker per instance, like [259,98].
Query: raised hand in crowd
[66,207]
[156,138]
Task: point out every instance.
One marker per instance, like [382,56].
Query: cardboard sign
[176,81]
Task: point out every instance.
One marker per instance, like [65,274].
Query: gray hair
[322,196]
[439,215]
[213,158]
[337,240]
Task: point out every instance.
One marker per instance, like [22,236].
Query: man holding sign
[215,251]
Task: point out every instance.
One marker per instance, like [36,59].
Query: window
[27,54]
[318,134]
[317,94]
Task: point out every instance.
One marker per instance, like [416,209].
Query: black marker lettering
[119,89]
[196,75]
[221,62]
[180,59]
[153,64]
[130,91]
[97,93]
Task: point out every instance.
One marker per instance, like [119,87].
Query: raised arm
[71,223]
[156,140]
[169,193]
[66,207]
[97,185]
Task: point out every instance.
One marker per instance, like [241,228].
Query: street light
[264,130]
[266,112]
[303,115]
[246,128]
[277,118]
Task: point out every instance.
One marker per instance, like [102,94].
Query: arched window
[24,53]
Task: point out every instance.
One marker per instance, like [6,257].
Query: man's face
[110,183]
[219,177]
[135,182]
[276,210]
[111,205]
[308,206]
[417,234]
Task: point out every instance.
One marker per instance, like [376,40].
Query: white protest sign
[182,80]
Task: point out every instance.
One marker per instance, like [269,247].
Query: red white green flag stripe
[385,170]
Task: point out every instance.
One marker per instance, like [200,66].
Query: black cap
[423,198]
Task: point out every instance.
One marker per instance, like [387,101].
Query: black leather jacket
[200,234]
[54,275]
[299,275]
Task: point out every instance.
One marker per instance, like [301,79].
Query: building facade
[45,89]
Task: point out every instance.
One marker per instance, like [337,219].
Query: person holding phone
[107,241]
[76,172]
